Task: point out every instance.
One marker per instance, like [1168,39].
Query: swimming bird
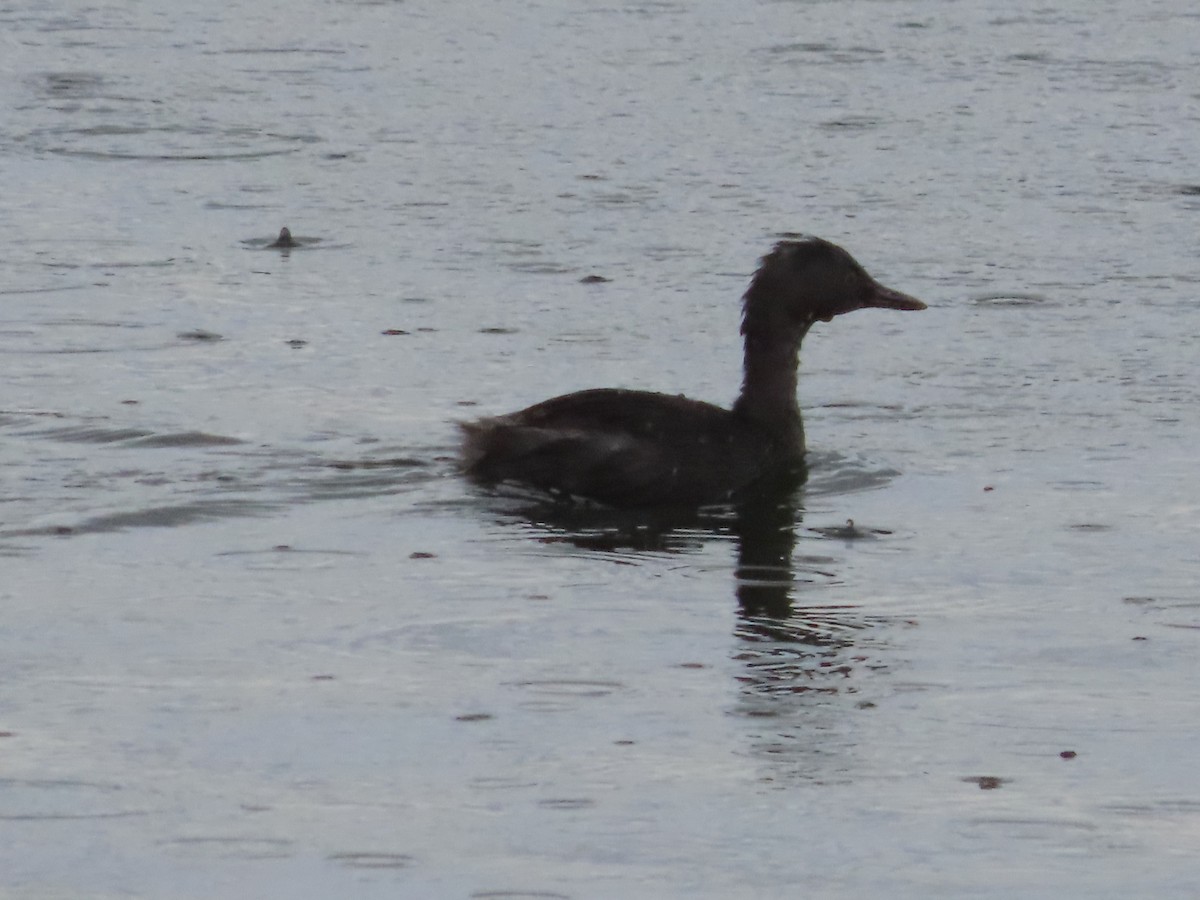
[627,448]
[285,240]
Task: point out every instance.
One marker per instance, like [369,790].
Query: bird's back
[627,448]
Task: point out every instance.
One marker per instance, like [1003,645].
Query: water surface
[259,638]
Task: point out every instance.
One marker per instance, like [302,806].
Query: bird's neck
[768,396]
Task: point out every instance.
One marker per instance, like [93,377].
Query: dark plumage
[637,448]
[285,239]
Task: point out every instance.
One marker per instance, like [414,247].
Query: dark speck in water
[594,279]
[296,343]
[985,782]
[497,331]
[392,332]
[850,531]
[199,334]
[1068,754]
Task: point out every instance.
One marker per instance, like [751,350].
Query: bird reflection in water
[767,575]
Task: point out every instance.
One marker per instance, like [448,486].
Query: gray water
[260,640]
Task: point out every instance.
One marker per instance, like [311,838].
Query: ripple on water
[73,336]
[135,437]
[231,846]
[570,687]
[132,477]
[819,53]
[641,536]
[1011,298]
[285,558]
[52,799]
[1101,75]
[361,859]
[1169,612]
[154,517]
[502,783]
[561,695]
[567,803]
[167,143]
[832,473]
[100,109]
[69,85]
[47,289]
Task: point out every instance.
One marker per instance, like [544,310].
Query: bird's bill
[886,298]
